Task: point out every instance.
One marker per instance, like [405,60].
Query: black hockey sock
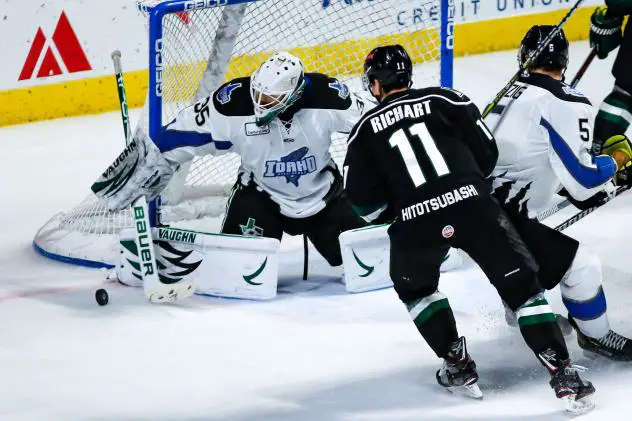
[614,117]
[435,321]
[539,328]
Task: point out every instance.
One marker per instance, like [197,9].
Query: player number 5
[400,140]
[584,129]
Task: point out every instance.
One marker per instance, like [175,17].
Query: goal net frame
[73,245]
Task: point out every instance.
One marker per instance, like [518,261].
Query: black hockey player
[615,113]
[426,153]
[280,121]
[542,127]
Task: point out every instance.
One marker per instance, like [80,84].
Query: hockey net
[200,44]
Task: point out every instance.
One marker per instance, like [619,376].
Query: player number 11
[401,141]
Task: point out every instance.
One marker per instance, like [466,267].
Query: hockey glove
[139,170]
[620,148]
[605,31]
[597,199]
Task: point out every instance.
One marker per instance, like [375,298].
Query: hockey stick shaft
[553,209]
[120,84]
[585,65]
[588,211]
[155,291]
[531,58]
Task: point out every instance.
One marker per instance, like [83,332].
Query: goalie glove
[620,148]
[140,170]
[605,31]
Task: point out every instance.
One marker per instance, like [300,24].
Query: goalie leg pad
[366,259]
[229,266]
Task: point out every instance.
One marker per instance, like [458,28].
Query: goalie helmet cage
[196,45]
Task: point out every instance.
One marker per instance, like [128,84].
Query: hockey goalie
[280,121]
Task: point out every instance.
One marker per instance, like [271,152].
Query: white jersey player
[280,121]
[543,130]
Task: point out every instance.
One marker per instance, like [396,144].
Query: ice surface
[315,353]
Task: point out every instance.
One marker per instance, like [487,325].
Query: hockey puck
[101,296]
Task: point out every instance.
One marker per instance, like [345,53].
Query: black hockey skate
[458,373]
[611,345]
[565,381]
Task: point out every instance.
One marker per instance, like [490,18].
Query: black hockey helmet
[554,55]
[390,65]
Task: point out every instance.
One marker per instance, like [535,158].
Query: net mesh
[202,48]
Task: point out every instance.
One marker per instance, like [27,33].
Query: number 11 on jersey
[401,141]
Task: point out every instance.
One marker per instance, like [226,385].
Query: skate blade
[471,391]
[579,406]
[173,294]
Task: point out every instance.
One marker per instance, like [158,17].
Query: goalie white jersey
[288,158]
[543,131]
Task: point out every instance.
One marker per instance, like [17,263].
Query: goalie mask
[277,84]
[554,55]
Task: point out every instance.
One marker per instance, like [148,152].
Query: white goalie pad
[366,259]
[220,265]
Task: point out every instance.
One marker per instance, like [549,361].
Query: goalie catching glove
[140,170]
[620,148]
[605,31]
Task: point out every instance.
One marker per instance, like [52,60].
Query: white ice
[315,353]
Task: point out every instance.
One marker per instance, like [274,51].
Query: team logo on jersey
[343,90]
[251,229]
[292,166]
[224,95]
[572,91]
[252,129]
[447,231]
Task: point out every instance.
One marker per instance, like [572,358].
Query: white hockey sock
[583,295]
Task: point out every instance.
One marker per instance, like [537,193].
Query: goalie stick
[155,290]
[530,59]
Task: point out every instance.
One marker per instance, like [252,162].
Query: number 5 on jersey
[402,141]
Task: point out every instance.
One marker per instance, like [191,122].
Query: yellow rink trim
[97,95]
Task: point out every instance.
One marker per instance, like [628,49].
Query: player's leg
[615,113]
[414,270]
[583,296]
[324,228]
[562,260]
[251,212]
[493,242]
